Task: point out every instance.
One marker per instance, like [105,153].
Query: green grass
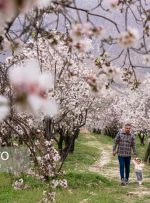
[9,195]
[83,156]
[91,187]
[83,186]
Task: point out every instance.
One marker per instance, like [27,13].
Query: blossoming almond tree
[31,92]
[51,43]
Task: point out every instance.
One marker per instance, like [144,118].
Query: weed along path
[108,166]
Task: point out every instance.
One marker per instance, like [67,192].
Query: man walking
[123,146]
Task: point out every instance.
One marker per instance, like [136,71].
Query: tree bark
[60,144]
[147,154]
[141,137]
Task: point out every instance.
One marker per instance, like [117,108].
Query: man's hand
[114,153]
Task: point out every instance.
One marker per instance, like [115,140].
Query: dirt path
[105,165]
[104,159]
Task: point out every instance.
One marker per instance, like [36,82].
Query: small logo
[4,155]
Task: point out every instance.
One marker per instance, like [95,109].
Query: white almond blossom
[30,83]
[48,197]
[113,3]
[19,185]
[42,3]
[84,45]
[76,32]
[128,38]
[14,46]
[7,10]
[63,183]
[54,183]
[146,60]
[80,35]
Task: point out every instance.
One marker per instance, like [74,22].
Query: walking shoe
[126,181]
[140,183]
[123,183]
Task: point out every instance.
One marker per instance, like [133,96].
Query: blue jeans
[124,163]
[138,175]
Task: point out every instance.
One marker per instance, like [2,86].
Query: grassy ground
[84,186]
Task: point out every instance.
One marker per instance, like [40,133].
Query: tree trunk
[141,137]
[75,136]
[48,128]
[70,142]
[72,147]
[66,150]
[147,154]
[60,144]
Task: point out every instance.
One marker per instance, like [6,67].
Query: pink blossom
[32,85]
